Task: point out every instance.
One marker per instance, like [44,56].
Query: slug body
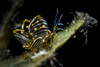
[35,33]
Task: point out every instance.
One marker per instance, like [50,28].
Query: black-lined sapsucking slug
[34,34]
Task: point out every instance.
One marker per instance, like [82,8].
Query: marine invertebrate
[37,58]
[32,58]
[35,33]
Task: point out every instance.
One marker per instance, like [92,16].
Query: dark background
[73,53]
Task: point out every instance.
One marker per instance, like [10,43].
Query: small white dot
[35,35]
[74,36]
[40,37]
[46,35]
[73,22]
[66,30]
